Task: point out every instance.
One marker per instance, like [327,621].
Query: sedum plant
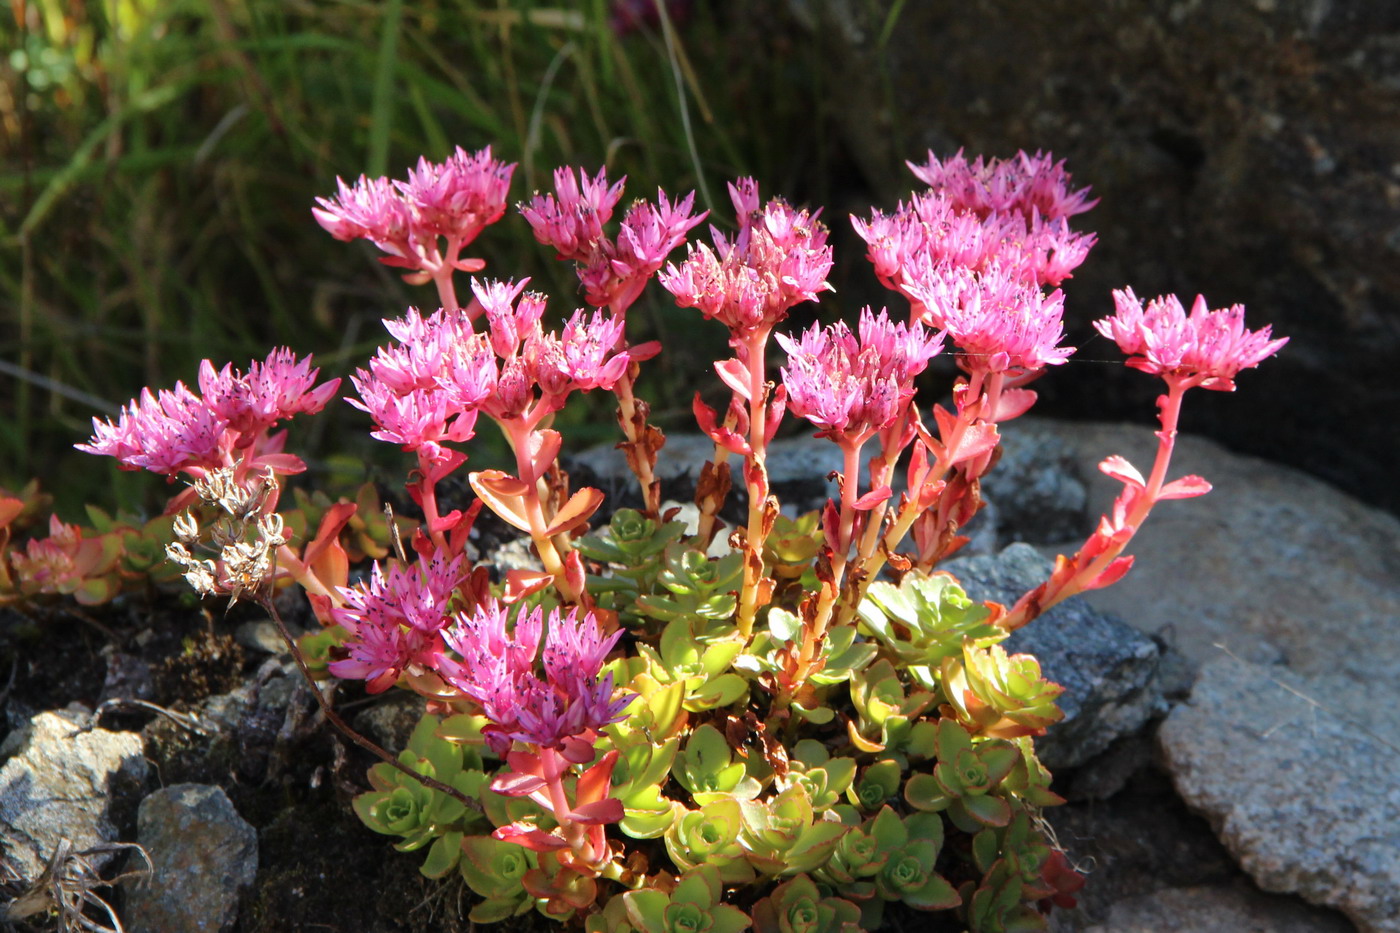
[784,724]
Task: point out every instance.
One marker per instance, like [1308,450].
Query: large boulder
[1297,776]
[1244,149]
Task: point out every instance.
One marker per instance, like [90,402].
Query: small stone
[202,854]
[261,635]
[57,786]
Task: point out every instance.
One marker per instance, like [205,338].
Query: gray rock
[1272,563]
[1107,668]
[1297,776]
[202,854]
[57,786]
[1217,909]
[1036,486]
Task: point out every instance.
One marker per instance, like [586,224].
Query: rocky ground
[1228,749]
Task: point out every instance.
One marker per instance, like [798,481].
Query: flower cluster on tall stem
[543,725]
[853,386]
[221,439]
[614,272]
[1205,349]
[778,258]
[973,254]
[425,222]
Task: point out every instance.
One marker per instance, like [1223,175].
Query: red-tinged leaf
[544,448]
[735,374]
[593,784]
[536,840]
[777,407]
[284,464]
[871,499]
[463,529]
[1012,403]
[332,565]
[644,351]
[9,509]
[502,494]
[516,785]
[708,421]
[321,607]
[525,763]
[608,810]
[398,262]
[446,523]
[574,573]
[1188,487]
[451,460]
[1115,571]
[469,265]
[975,440]
[1123,471]
[522,583]
[577,511]
[328,532]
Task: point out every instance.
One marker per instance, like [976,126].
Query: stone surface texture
[1107,668]
[57,786]
[1244,149]
[1297,776]
[1216,909]
[202,854]
[1273,564]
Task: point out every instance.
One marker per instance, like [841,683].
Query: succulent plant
[695,587]
[885,712]
[797,906]
[997,694]
[710,836]
[702,667]
[693,906]
[783,836]
[401,806]
[965,779]
[495,870]
[706,767]
[923,620]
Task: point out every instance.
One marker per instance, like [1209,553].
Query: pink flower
[460,197]
[778,259]
[394,622]
[272,391]
[370,209]
[572,219]
[1205,348]
[165,433]
[1024,184]
[417,420]
[497,670]
[1000,322]
[852,387]
[455,200]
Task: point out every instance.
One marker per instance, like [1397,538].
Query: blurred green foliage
[159,158]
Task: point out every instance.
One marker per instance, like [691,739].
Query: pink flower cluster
[613,272]
[1204,348]
[853,385]
[974,252]
[563,710]
[176,430]
[428,387]
[778,258]
[395,622]
[455,200]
